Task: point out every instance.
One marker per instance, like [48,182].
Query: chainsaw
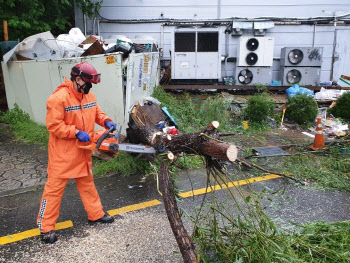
[107,141]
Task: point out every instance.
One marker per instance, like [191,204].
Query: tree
[29,17]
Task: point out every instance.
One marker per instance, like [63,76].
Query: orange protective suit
[68,110]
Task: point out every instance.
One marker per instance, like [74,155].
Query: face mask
[85,87]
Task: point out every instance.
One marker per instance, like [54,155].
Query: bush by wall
[259,108]
[302,109]
[342,108]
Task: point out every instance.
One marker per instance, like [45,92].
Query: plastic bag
[296,89]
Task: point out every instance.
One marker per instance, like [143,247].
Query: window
[185,42]
[208,42]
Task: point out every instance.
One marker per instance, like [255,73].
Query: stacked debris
[44,46]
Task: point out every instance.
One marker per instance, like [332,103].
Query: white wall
[285,35]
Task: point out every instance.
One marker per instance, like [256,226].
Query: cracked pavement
[22,165]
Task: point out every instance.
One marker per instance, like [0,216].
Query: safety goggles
[93,78]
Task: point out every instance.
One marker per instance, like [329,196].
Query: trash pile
[44,46]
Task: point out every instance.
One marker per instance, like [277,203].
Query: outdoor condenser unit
[255,51]
[196,55]
[301,56]
[300,75]
[253,75]
[301,65]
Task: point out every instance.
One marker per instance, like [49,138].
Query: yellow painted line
[32,233]
[66,224]
[229,184]
[134,207]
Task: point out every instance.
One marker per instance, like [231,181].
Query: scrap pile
[44,46]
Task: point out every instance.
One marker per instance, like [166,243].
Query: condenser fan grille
[293,76]
[245,76]
[252,44]
[251,58]
[295,56]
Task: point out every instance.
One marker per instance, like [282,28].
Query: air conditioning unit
[300,75]
[253,75]
[301,56]
[255,51]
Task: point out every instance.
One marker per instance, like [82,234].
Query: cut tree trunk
[174,217]
[206,143]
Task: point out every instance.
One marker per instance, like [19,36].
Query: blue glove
[109,124]
[83,136]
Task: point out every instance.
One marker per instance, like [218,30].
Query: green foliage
[29,17]
[342,107]
[24,128]
[331,171]
[259,108]
[322,242]
[123,164]
[191,117]
[302,109]
[238,230]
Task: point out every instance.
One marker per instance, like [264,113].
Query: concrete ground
[139,234]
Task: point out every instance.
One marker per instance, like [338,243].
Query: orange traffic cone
[319,139]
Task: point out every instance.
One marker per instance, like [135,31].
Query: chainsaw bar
[134,148]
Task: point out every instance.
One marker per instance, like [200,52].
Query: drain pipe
[85,22]
[314,35]
[162,39]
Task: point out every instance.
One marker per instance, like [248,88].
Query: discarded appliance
[41,46]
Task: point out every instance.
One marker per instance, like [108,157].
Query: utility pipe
[219,9]
[162,39]
[6,34]
[314,35]
[84,16]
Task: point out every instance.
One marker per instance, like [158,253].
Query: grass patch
[192,117]
[123,164]
[24,128]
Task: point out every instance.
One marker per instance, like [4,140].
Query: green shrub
[302,109]
[342,108]
[259,108]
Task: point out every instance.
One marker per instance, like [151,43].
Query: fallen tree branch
[186,247]
[272,172]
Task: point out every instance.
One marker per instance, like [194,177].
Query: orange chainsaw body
[91,145]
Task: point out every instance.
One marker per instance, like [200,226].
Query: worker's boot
[105,219]
[49,237]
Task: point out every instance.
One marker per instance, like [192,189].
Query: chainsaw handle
[104,136]
[85,146]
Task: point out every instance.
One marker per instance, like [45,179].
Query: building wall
[285,35]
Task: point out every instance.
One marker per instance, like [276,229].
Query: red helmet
[87,72]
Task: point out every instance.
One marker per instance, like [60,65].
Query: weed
[192,117]
[24,128]
[123,164]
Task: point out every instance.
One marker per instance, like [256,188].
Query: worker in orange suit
[72,112]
